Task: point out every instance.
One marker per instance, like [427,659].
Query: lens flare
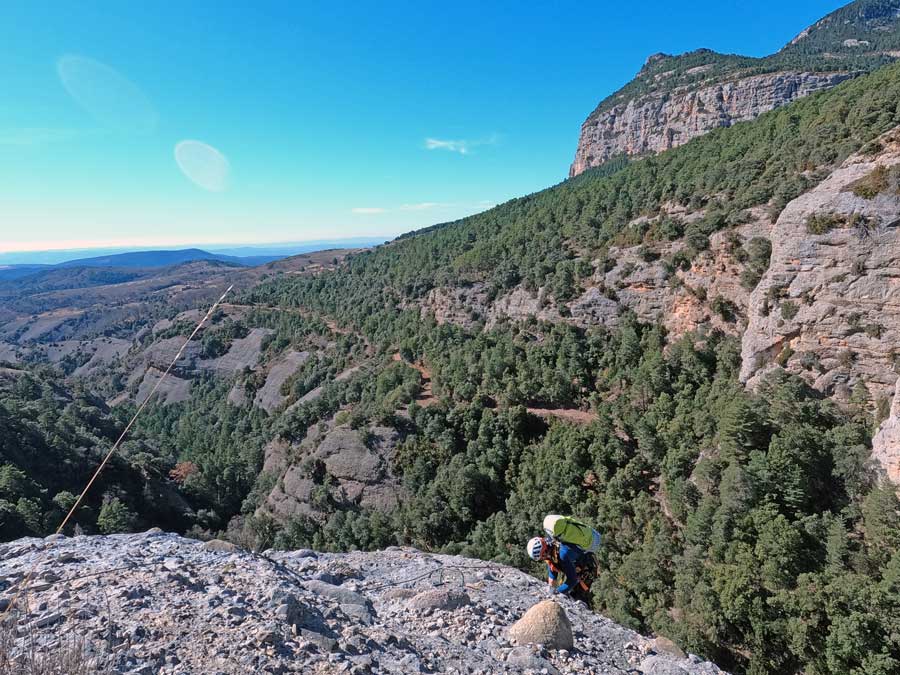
[203,165]
[106,94]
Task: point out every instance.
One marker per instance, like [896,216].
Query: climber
[568,549]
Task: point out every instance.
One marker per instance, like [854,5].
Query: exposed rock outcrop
[675,98]
[344,466]
[269,396]
[160,603]
[886,443]
[681,299]
[657,122]
[826,309]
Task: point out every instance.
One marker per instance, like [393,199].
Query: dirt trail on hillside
[426,397]
[568,414]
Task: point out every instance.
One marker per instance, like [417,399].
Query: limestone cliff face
[656,122]
[886,444]
[346,467]
[826,308]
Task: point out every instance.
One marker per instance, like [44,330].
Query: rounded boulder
[544,624]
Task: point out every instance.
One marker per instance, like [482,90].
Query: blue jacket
[569,555]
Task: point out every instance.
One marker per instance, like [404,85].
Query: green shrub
[872,184]
[784,356]
[115,517]
[725,308]
[757,255]
[822,223]
[789,310]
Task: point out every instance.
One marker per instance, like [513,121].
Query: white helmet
[535,547]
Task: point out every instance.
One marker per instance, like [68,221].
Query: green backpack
[572,531]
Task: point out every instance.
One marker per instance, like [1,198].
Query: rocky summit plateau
[161,603]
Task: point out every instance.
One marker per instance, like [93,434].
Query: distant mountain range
[246,256]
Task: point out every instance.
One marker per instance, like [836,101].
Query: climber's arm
[568,568]
[551,575]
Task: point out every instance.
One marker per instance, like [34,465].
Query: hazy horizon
[52,256]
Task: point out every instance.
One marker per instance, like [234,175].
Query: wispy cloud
[35,136]
[461,146]
[368,210]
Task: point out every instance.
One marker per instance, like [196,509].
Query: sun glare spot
[110,98]
[203,165]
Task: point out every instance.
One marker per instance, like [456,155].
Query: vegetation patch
[756,254]
[725,308]
[823,223]
[872,184]
[789,310]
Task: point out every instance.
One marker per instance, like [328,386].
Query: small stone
[268,635]
[664,645]
[659,665]
[398,594]
[526,659]
[359,612]
[220,545]
[323,642]
[440,598]
[342,595]
[47,620]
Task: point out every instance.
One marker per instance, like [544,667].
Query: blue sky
[314,120]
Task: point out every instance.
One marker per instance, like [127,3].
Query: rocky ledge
[160,603]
